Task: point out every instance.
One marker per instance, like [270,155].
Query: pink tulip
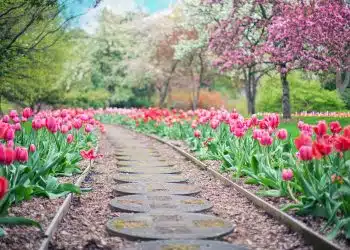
[51,124]
[64,129]
[21,154]
[32,148]
[287,174]
[266,139]
[282,134]
[18,127]
[9,134]
[27,112]
[305,153]
[6,119]
[88,128]
[70,138]
[13,114]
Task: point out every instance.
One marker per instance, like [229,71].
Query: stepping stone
[172,225]
[130,154]
[149,170]
[168,178]
[144,164]
[139,158]
[186,245]
[158,188]
[150,202]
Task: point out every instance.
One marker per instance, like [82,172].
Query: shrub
[306,95]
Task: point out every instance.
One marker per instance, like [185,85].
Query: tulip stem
[291,193]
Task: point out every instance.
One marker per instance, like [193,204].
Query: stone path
[148,190]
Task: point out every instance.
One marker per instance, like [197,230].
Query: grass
[293,130]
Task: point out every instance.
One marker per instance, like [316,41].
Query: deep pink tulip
[335,127]
[282,134]
[77,124]
[18,127]
[88,128]
[6,119]
[27,112]
[21,154]
[32,148]
[9,134]
[305,153]
[70,138]
[214,123]
[266,139]
[16,119]
[13,114]
[36,124]
[10,144]
[51,124]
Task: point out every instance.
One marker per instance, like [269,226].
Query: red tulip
[335,127]
[238,132]
[27,112]
[4,185]
[197,133]
[287,174]
[321,128]
[342,144]
[305,153]
[321,149]
[347,131]
[7,155]
[282,134]
[89,155]
[32,148]
[21,154]
[302,140]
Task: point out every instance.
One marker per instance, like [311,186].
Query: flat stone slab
[144,164]
[167,178]
[139,158]
[150,202]
[149,170]
[186,245]
[159,188]
[132,153]
[172,225]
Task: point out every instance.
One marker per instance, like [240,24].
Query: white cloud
[89,22]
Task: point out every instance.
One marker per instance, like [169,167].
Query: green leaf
[255,164]
[272,193]
[19,221]
[2,232]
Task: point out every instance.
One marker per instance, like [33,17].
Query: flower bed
[311,171]
[35,150]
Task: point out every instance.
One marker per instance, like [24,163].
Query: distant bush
[306,95]
[97,98]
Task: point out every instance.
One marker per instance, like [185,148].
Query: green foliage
[306,95]
[95,98]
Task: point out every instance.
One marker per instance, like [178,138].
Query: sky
[89,21]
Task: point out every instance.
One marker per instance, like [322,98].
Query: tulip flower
[197,133]
[51,124]
[64,129]
[302,140]
[335,127]
[13,114]
[7,155]
[266,139]
[32,148]
[282,134]
[21,154]
[70,138]
[287,174]
[305,153]
[27,112]
[90,155]
[6,119]
[9,134]
[321,128]
[4,185]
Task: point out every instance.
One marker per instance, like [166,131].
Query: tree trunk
[250,86]
[165,88]
[341,84]
[201,74]
[285,97]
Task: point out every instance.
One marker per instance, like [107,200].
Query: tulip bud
[70,138]
[18,127]
[32,148]
[27,112]
[287,174]
[4,185]
[9,134]
[197,133]
[6,119]
[21,154]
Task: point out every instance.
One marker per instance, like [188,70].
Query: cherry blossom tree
[309,35]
